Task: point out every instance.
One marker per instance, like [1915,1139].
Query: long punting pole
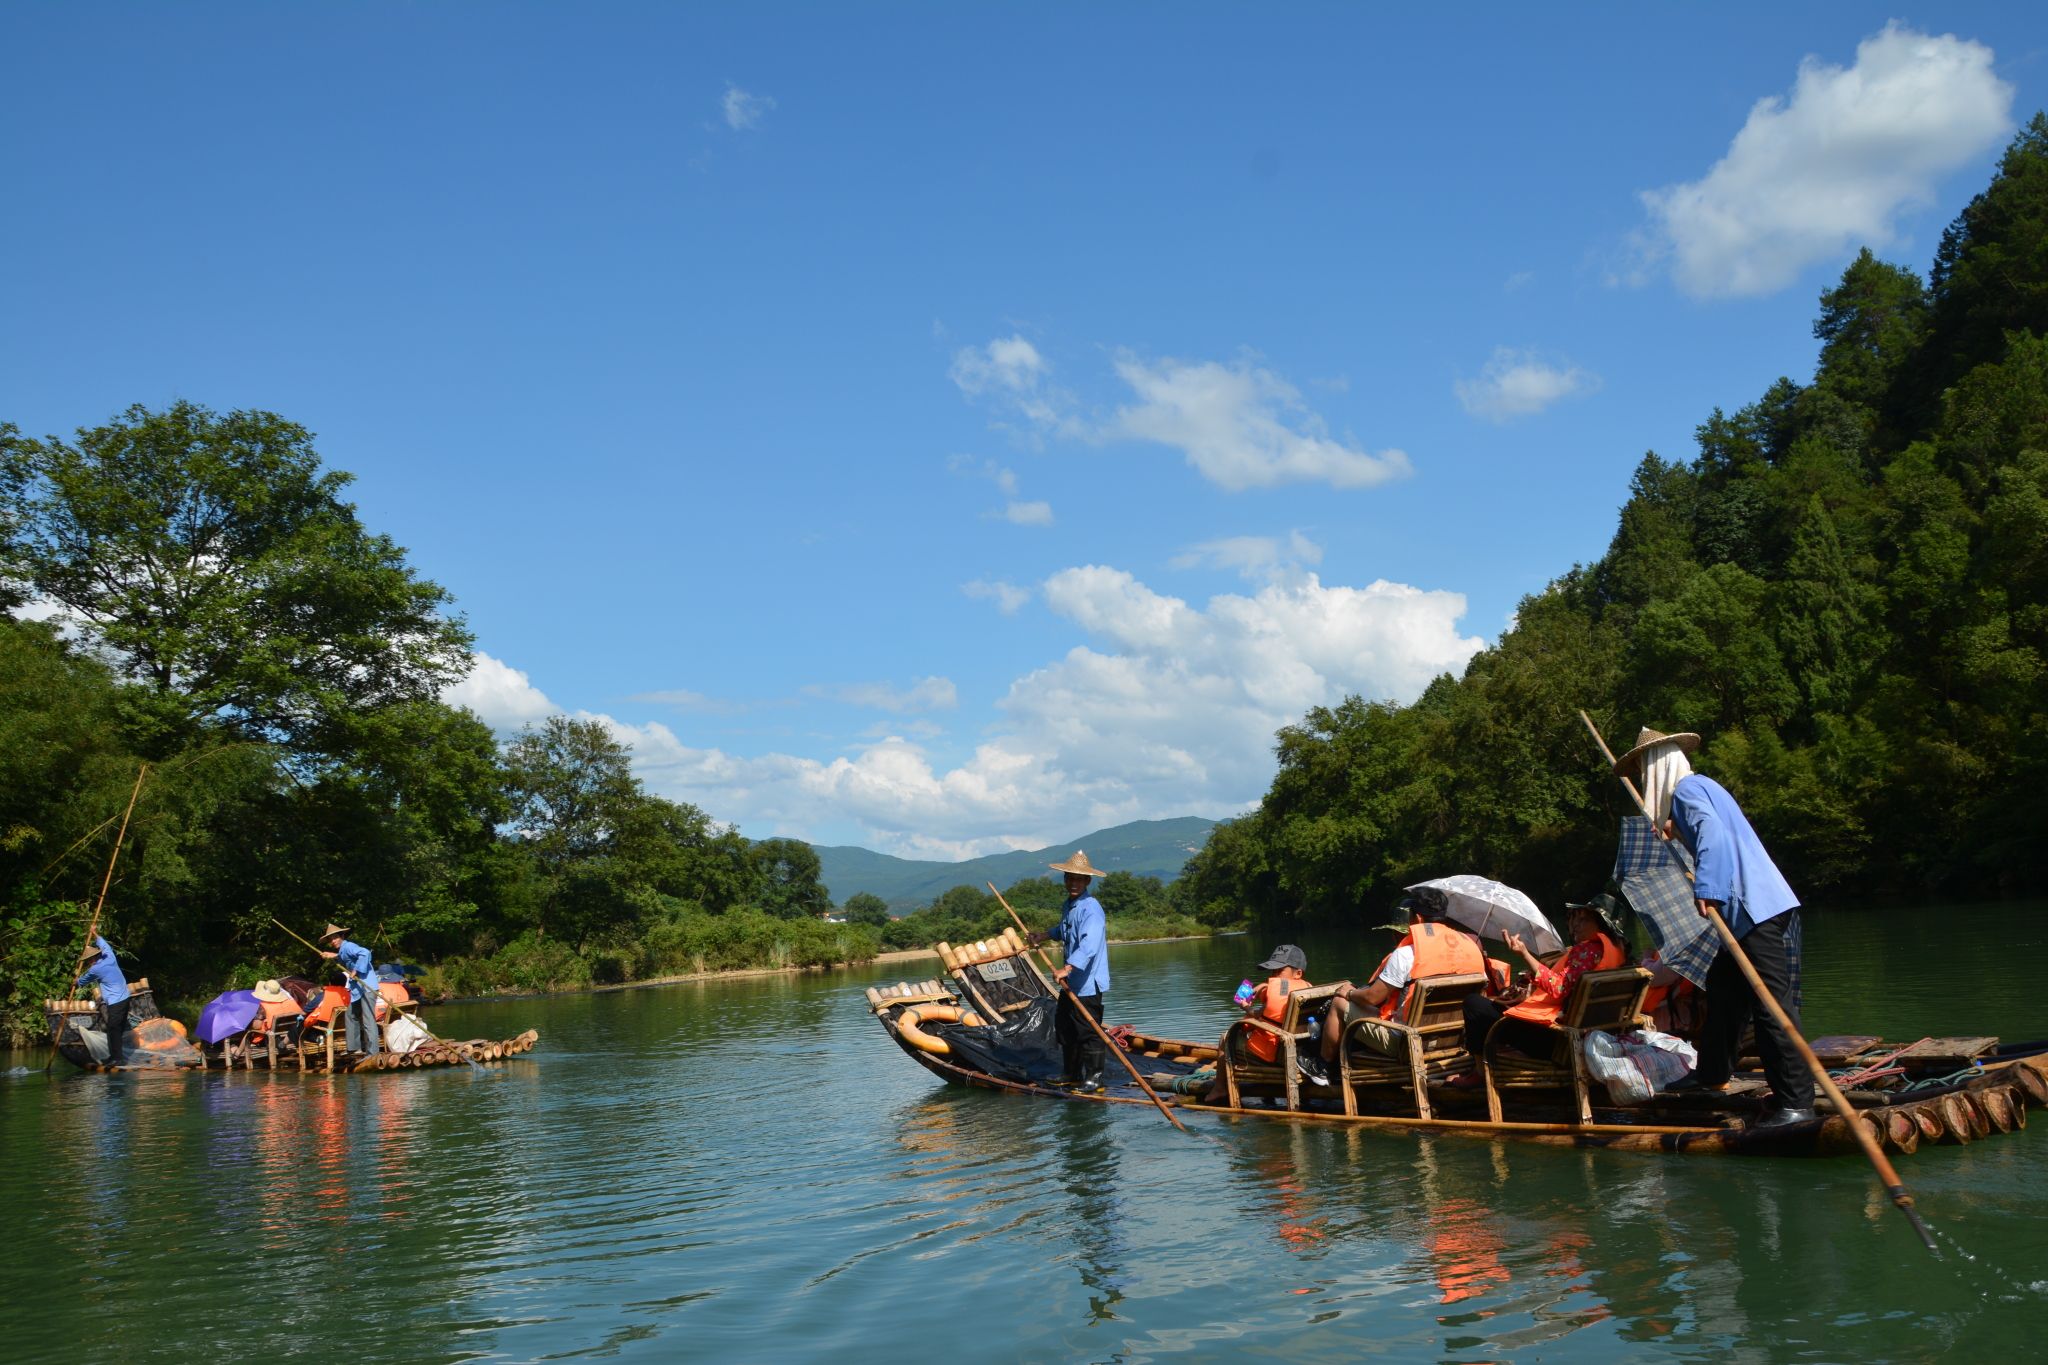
[1896,1188]
[93,926]
[1093,1022]
[414,1016]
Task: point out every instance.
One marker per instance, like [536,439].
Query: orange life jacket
[1542,1006]
[1264,1045]
[1440,950]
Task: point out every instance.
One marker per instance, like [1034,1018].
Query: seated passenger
[1597,939]
[1430,946]
[1675,1005]
[1269,1000]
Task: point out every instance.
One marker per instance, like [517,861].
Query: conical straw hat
[1631,762]
[1078,864]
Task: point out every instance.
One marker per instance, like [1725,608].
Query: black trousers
[1481,1015]
[1731,1004]
[1082,1054]
[117,1030]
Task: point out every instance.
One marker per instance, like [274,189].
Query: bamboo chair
[1432,1030]
[1601,1002]
[1247,1075]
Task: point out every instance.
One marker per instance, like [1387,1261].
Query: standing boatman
[106,973]
[1733,874]
[362,988]
[1083,933]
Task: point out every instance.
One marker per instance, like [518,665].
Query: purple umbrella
[228,1014]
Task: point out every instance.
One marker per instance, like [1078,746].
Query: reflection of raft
[281,1049]
[1946,1091]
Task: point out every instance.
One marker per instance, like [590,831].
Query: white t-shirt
[1399,964]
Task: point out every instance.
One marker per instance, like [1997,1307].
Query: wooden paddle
[414,1016]
[1093,1022]
[92,927]
[1896,1188]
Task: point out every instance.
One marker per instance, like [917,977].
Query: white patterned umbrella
[1494,909]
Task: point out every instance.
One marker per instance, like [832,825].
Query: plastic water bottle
[1244,993]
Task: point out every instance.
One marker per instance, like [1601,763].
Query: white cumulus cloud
[1830,166]
[1241,426]
[743,110]
[502,696]
[1008,597]
[1256,557]
[1169,708]
[1521,384]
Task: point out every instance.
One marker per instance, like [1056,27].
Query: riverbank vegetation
[1845,591]
[215,609]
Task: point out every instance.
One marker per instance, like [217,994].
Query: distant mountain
[1145,848]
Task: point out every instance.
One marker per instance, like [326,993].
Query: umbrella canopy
[1494,909]
[228,1014]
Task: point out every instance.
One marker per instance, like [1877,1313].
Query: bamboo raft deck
[1989,1087]
[274,1051]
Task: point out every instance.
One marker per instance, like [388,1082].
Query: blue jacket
[361,973]
[1730,864]
[1083,934]
[107,972]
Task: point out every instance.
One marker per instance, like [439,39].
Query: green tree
[572,791]
[788,886]
[865,907]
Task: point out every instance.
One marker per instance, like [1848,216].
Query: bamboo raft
[1934,1092]
[319,1051]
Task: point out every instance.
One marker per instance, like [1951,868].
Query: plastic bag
[1637,1064]
[404,1035]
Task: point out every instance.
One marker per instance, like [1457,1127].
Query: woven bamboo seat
[1432,1033]
[1603,1002]
[1246,1075]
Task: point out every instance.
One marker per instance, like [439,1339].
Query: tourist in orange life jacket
[1597,946]
[1269,999]
[1430,946]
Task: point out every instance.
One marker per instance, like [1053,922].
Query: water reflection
[748,1169]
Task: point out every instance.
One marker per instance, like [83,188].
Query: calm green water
[748,1171]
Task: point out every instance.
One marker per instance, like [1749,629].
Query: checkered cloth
[1656,876]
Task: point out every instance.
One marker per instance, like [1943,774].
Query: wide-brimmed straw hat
[332,930]
[1630,763]
[270,991]
[1607,909]
[1078,865]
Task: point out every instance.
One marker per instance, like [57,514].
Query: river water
[747,1170]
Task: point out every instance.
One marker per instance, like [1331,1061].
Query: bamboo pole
[92,928]
[1901,1197]
[1096,1024]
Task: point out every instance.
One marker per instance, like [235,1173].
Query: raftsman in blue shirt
[1084,936]
[356,958]
[1730,867]
[107,972]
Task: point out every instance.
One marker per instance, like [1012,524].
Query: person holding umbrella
[1734,875]
[1597,946]
[362,988]
[1083,933]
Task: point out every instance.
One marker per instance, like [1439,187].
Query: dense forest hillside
[1844,590]
[1144,848]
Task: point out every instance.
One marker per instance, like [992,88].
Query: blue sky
[951,428]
